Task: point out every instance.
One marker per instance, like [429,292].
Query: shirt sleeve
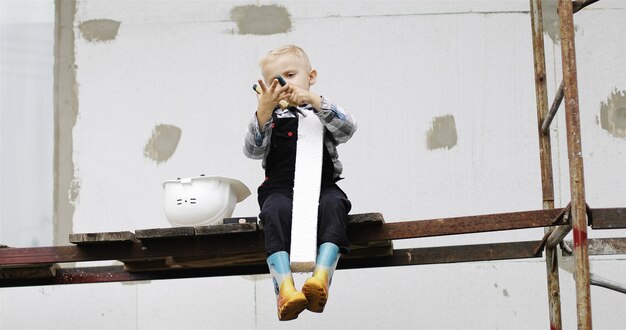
[337,120]
[257,139]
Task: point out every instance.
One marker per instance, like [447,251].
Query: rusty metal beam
[557,236]
[207,246]
[180,247]
[605,283]
[602,246]
[577,5]
[575,157]
[246,242]
[545,158]
[458,225]
[403,257]
[608,218]
[558,98]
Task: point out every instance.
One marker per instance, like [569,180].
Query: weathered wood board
[231,226]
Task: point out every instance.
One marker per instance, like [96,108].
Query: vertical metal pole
[545,156]
[577,179]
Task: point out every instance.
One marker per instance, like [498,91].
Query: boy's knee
[333,205]
[277,203]
[329,200]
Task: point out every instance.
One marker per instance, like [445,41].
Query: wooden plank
[240,220]
[146,265]
[164,233]
[376,249]
[100,238]
[365,219]
[226,229]
[28,272]
[219,261]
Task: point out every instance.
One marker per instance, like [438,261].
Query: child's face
[293,69]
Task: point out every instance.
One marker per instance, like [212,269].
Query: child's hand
[299,96]
[268,99]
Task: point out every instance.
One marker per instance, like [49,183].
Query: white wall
[396,66]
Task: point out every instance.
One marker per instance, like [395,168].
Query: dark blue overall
[275,194]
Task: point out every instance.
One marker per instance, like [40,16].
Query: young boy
[272,136]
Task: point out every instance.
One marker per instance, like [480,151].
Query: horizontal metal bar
[608,284]
[402,257]
[459,225]
[601,246]
[614,218]
[197,246]
[545,126]
[209,246]
[449,254]
[577,5]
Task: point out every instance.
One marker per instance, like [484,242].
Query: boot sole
[316,294]
[293,307]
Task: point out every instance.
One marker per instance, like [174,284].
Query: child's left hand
[296,96]
[299,96]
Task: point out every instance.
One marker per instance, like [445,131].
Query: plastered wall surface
[444,96]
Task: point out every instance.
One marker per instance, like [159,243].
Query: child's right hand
[269,98]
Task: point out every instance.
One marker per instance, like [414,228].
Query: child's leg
[316,287]
[333,213]
[276,219]
[333,210]
[289,301]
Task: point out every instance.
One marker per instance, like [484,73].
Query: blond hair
[291,50]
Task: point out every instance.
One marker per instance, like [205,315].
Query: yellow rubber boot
[316,287]
[290,302]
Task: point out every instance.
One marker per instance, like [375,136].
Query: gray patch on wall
[74,191]
[442,134]
[613,114]
[96,30]
[163,142]
[261,20]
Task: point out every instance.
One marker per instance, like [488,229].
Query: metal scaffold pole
[577,180]
[545,156]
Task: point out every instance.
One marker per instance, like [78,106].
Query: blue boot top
[327,255]
[279,261]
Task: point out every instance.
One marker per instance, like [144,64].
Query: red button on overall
[289,133]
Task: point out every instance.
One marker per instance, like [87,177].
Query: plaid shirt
[339,123]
